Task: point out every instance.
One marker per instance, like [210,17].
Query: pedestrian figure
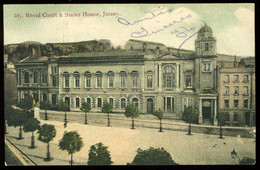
[65,124]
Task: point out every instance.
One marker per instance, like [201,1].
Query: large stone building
[237,91]
[148,74]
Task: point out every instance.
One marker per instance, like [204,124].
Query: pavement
[123,142]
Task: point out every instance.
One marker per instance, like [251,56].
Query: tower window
[206,46]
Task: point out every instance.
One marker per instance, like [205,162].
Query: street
[122,142]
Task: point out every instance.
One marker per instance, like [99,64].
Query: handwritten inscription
[180,32]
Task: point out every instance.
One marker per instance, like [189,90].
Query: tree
[7,114]
[30,126]
[107,108]
[152,156]
[64,106]
[46,134]
[190,115]
[45,105]
[222,117]
[99,155]
[71,142]
[26,104]
[85,107]
[132,111]
[159,114]
[18,118]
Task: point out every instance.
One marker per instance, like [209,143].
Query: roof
[248,61]
[205,28]
[147,42]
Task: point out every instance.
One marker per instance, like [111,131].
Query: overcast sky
[171,24]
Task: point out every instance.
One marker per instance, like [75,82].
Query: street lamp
[234,155]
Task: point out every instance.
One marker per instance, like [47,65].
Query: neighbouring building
[237,91]
[148,74]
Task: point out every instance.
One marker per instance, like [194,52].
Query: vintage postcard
[129,84]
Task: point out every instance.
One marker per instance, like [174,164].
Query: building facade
[237,92]
[146,73]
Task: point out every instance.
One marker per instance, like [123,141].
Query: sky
[175,25]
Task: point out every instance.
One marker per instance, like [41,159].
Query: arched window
[110,76]
[67,100]
[111,101]
[123,103]
[35,77]
[88,100]
[87,79]
[134,75]
[26,77]
[123,78]
[99,102]
[44,77]
[169,77]
[77,102]
[66,79]
[76,79]
[99,79]
[135,101]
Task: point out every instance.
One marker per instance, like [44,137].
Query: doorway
[247,118]
[150,105]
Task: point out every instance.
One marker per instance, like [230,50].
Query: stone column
[160,77]
[177,76]
[215,113]
[200,111]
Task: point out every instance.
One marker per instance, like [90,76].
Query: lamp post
[234,155]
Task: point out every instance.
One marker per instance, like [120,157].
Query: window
[44,77]
[77,102]
[188,80]
[226,103]
[206,46]
[245,90]
[235,117]
[35,77]
[99,79]
[123,103]
[76,79]
[19,77]
[135,101]
[169,77]
[246,78]
[54,81]
[236,90]
[89,101]
[44,97]
[35,97]
[135,78]
[236,78]
[123,78]
[87,79]
[206,67]
[226,90]
[110,75]
[149,81]
[54,70]
[245,103]
[54,99]
[226,79]
[111,101]
[228,117]
[99,102]
[235,103]
[26,77]
[66,79]
[187,102]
